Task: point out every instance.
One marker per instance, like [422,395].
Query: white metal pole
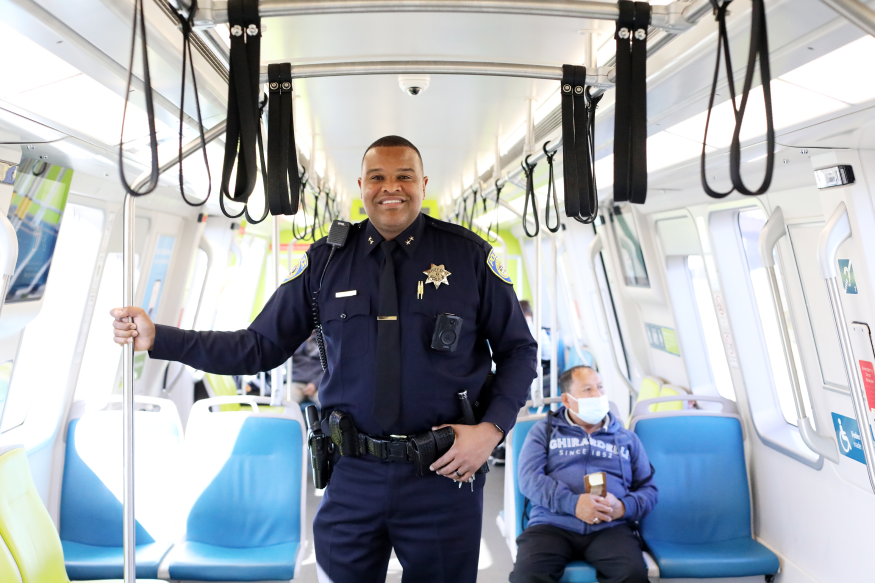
[129,520]
[554,332]
[276,394]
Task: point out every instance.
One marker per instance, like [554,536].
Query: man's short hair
[568,376]
[393,142]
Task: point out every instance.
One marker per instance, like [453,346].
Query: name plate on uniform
[346,294]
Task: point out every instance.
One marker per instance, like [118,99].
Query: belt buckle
[397,448]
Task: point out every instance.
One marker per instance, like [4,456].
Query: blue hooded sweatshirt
[573,453]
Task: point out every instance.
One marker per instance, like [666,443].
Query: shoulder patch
[497,267]
[297,269]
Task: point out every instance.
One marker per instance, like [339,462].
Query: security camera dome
[413,84]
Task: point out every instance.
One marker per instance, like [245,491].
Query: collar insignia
[437,275]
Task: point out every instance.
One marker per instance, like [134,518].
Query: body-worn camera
[447,330]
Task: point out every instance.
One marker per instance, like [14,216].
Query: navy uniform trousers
[371,506]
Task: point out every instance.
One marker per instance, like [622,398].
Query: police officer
[379,298]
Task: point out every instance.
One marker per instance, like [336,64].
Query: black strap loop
[186,25]
[241,136]
[759,49]
[529,171]
[578,119]
[284,183]
[551,192]
[139,19]
[630,118]
[264,213]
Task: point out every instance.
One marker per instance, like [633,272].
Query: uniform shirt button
[343,316]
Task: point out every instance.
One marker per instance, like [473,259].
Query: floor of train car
[495,562]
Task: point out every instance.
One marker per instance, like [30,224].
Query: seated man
[566,523]
[306,371]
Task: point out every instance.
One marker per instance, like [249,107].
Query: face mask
[592,410]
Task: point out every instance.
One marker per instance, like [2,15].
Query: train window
[710,328]
[195,284]
[242,279]
[5,373]
[629,247]
[750,223]
[609,309]
[42,366]
[803,239]
[96,375]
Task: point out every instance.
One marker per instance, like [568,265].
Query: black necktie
[387,390]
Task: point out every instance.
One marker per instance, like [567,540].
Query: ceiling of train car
[456,120]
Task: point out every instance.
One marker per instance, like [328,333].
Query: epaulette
[459,230]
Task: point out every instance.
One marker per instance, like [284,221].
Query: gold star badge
[437,275]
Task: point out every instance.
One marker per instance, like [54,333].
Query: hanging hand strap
[551,192]
[494,220]
[264,213]
[630,117]
[284,184]
[241,134]
[722,48]
[581,197]
[140,22]
[759,48]
[529,171]
[186,25]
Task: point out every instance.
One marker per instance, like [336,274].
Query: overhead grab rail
[773,230]
[836,232]
[600,77]
[595,248]
[675,17]
[855,11]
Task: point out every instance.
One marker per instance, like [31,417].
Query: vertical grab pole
[129,520]
[771,233]
[836,232]
[538,387]
[554,308]
[595,247]
[276,391]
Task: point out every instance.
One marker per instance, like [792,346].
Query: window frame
[746,330]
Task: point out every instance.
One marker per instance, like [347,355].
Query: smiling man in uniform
[379,301]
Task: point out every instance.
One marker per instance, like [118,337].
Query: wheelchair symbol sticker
[848,437]
[849,282]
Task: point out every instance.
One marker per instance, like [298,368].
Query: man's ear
[361,194]
[566,400]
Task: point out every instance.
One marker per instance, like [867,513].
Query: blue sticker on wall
[848,437]
[849,282]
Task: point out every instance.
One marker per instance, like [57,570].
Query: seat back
[520,431]
[8,568]
[700,473]
[222,386]
[25,525]
[650,388]
[246,473]
[670,391]
[92,487]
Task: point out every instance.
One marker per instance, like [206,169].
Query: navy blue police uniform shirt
[477,289]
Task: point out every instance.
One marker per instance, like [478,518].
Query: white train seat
[92,490]
[245,506]
[701,526]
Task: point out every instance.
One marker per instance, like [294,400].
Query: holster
[321,451]
[424,449]
[344,433]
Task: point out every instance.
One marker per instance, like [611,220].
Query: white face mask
[592,410]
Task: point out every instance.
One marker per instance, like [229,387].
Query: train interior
[733,333]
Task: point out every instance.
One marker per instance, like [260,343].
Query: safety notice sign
[867,371]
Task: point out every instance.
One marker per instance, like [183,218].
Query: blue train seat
[91,491]
[701,527]
[515,522]
[245,507]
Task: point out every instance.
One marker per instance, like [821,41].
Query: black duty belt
[422,449]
